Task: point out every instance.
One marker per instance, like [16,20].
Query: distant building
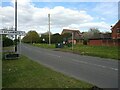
[108,39]
[116,31]
[76,35]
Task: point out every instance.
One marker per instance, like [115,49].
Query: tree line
[34,37]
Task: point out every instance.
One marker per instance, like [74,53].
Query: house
[76,35]
[116,31]
[108,39]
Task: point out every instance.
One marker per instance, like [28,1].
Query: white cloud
[31,17]
[107,9]
[100,25]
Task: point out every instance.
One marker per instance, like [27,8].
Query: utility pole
[49,28]
[15,25]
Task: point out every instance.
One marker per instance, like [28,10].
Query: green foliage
[99,51]
[31,37]
[7,42]
[92,33]
[56,38]
[44,38]
[66,36]
[85,41]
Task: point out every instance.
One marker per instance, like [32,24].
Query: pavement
[98,71]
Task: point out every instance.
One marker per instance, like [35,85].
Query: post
[72,41]
[15,25]
[1,61]
[49,28]
[20,44]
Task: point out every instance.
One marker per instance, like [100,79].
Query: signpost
[72,40]
[11,32]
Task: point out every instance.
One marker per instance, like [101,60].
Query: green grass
[99,51]
[52,46]
[25,73]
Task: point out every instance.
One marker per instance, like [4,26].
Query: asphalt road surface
[98,71]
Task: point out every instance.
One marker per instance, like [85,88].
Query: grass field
[99,51]
[24,73]
[52,46]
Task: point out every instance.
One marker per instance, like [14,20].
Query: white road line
[81,61]
[53,55]
[95,64]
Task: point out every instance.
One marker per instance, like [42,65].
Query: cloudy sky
[72,15]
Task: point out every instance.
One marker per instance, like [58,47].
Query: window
[118,30]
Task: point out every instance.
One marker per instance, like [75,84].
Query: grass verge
[99,51]
[25,73]
[52,46]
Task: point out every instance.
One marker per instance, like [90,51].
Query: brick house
[116,31]
[76,35]
[108,39]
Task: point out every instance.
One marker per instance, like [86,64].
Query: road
[98,71]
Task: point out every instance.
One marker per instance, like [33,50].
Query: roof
[116,25]
[76,33]
[70,31]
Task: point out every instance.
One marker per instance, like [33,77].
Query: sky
[64,15]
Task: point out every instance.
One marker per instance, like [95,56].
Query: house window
[118,31]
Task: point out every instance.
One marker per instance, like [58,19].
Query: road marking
[79,61]
[95,64]
[53,55]
[85,62]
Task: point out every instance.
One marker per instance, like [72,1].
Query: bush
[7,42]
[69,44]
[85,42]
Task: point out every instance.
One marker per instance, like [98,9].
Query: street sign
[11,32]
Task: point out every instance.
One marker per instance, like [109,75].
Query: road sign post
[15,25]
[11,32]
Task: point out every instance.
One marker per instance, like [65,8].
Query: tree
[56,38]
[44,38]
[7,42]
[31,37]
[65,36]
[94,32]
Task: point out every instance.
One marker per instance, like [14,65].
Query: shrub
[7,42]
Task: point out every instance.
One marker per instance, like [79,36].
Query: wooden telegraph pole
[49,28]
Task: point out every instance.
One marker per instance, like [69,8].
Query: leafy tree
[92,33]
[56,38]
[7,42]
[65,36]
[44,38]
[31,37]
[95,33]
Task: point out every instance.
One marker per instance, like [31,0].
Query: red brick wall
[95,42]
[104,42]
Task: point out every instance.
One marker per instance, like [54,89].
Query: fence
[104,42]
